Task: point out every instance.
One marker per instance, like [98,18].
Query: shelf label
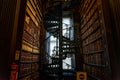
[81,76]
[17,53]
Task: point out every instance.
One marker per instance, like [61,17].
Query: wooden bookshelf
[93,50]
[30,50]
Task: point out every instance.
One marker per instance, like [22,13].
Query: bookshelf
[93,42]
[30,49]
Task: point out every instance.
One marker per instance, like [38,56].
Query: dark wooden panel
[1,3]
[7,16]
[115,22]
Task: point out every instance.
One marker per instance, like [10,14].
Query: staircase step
[49,17]
[68,52]
[69,48]
[65,38]
[48,25]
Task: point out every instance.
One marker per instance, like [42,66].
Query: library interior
[60,40]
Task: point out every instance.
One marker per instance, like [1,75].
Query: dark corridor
[59,39]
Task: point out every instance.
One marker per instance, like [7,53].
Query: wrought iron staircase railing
[67,47]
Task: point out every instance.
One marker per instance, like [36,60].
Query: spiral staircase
[52,69]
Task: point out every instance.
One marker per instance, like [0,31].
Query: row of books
[26,78]
[93,24]
[92,6]
[33,76]
[30,27]
[93,71]
[25,69]
[88,11]
[26,56]
[94,59]
[29,57]
[35,58]
[35,67]
[29,47]
[93,47]
[37,9]
[31,33]
[91,38]
[28,69]
[29,39]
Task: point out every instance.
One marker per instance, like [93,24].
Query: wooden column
[9,15]
[115,23]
